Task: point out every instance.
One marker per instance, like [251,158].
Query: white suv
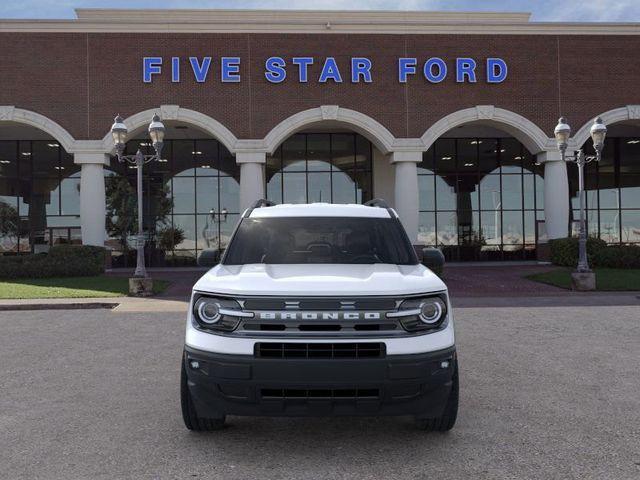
[319,309]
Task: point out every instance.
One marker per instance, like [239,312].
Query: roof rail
[263,202]
[376,202]
[381,203]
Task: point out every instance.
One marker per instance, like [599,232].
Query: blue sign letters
[434,69]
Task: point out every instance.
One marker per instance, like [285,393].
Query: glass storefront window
[198,180]
[612,188]
[480,198]
[39,196]
[320,167]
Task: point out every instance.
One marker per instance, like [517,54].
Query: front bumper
[414,384]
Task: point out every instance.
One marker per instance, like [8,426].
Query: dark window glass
[294,153]
[467,154]
[343,151]
[8,159]
[183,157]
[488,155]
[320,167]
[206,157]
[319,152]
[426,166]
[445,156]
[298,240]
[511,155]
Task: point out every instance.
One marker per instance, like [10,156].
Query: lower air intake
[320,350]
[332,394]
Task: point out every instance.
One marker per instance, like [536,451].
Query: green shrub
[564,251]
[61,261]
[618,256]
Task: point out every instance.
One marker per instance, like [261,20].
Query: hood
[319,280]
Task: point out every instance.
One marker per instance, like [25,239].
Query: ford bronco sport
[319,309]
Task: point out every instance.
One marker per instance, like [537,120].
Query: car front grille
[326,304]
[320,350]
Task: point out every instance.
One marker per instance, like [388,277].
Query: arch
[9,113]
[527,132]
[629,112]
[177,113]
[373,130]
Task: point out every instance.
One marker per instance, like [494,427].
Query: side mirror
[209,258]
[433,259]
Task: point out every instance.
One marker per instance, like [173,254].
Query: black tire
[445,422]
[191,419]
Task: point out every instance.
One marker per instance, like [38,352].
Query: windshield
[288,240]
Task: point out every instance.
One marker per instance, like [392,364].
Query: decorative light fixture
[562,133]
[119,133]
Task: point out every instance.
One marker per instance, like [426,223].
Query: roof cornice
[312,21]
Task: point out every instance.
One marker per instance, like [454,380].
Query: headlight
[217,313]
[431,310]
[208,310]
[425,313]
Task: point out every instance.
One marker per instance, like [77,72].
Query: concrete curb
[57,306]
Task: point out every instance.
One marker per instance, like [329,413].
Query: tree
[122,209]
[9,221]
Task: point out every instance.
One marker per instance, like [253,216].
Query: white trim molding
[373,130]
[10,113]
[179,114]
[523,129]
[629,112]
[309,21]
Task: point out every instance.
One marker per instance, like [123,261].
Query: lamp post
[119,133]
[562,133]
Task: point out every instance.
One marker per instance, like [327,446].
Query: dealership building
[447,116]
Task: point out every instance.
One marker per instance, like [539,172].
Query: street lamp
[562,133]
[119,133]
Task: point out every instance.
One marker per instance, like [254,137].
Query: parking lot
[549,392]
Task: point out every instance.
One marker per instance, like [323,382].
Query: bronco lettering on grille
[319,315]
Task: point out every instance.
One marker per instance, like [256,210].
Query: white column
[556,194]
[406,190]
[92,197]
[251,177]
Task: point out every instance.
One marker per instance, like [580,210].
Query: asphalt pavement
[546,392]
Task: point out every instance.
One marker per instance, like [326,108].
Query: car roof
[319,210]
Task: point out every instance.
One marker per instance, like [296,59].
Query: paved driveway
[546,393]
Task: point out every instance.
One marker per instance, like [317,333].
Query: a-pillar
[556,194]
[406,190]
[92,197]
[251,177]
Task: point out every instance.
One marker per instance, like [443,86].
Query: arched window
[321,167]
[480,198]
[39,196]
[193,190]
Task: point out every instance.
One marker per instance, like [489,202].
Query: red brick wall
[82,80]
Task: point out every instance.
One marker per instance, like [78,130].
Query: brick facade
[80,80]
